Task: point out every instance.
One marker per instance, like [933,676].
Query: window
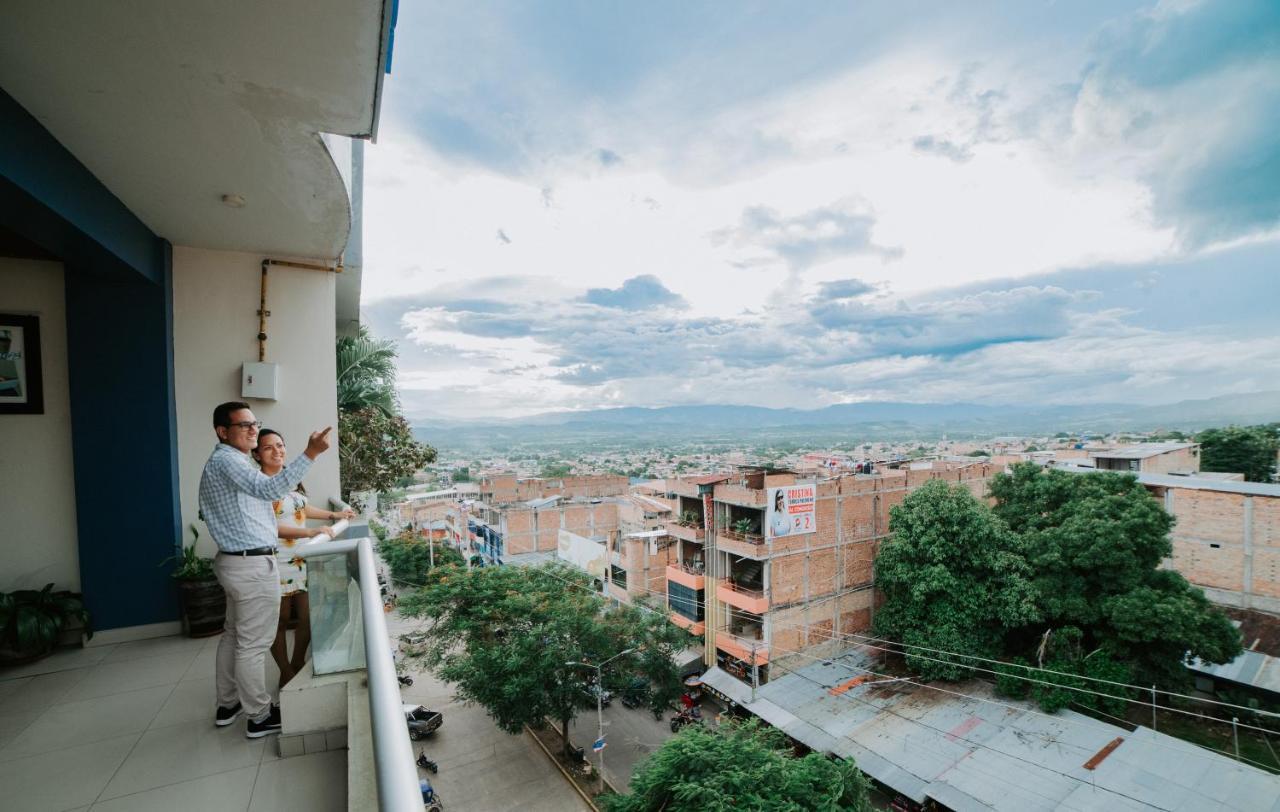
[684,601]
[618,576]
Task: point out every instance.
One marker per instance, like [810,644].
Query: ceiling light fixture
[234,201]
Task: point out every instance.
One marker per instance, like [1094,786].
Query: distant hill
[869,420]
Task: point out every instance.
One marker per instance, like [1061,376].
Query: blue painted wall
[119,300]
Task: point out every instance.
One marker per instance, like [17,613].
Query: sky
[583,205]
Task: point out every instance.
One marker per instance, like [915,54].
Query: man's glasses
[247,425]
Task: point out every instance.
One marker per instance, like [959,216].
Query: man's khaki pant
[252,584]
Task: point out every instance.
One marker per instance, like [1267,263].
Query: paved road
[631,736]
[482,769]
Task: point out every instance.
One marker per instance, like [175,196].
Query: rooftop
[969,751]
[1140,451]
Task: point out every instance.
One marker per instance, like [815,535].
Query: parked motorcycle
[687,716]
[427,764]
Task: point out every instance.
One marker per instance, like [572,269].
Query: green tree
[954,579]
[462,475]
[366,373]
[505,637]
[1248,450]
[376,450]
[556,470]
[408,556]
[1095,543]
[740,766]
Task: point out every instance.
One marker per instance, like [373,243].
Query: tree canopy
[408,556]
[954,579]
[510,638]
[740,766]
[1063,571]
[1248,450]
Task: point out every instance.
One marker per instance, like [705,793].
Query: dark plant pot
[9,657]
[204,607]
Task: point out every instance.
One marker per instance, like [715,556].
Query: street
[481,768]
[631,736]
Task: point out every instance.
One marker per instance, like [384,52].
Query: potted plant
[204,604]
[31,621]
[744,526]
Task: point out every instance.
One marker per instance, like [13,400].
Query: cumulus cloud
[1191,93]
[844,289]
[638,293]
[842,229]
[942,146]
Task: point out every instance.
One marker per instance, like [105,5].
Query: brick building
[1149,458]
[754,598]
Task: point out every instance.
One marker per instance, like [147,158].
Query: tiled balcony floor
[130,727]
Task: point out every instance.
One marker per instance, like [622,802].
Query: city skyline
[667,205]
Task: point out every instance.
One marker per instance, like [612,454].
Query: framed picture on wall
[21,385]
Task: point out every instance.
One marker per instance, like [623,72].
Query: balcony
[694,627]
[738,495]
[686,533]
[745,598]
[742,648]
[686,576]
[746,545]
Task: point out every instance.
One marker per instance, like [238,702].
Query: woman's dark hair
[264,434]
[777,497]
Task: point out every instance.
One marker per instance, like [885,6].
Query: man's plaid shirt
[235,498]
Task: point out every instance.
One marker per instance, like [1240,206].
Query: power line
[864,640]
[799,653]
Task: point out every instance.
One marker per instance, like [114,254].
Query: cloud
[608,158]
[941,146]
[638,293]
[503,238]
[844,289]
[1190,91]
[842,229]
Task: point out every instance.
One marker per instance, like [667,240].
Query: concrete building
[504,489]
[1149,458]
[753,595]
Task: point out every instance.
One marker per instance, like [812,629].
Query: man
[235,501]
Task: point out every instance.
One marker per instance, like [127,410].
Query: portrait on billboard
[21,384]
[791,510]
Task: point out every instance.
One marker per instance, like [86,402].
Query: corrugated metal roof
[1251,668]
[708,479]
[546,501]
[975,755]
[1192,482]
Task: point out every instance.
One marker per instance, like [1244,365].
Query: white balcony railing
[355,615]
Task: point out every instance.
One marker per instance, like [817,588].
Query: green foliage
[366,373]
[954,579]
[376,450]
[744,526]
[689,518]
[379,531]
[1249,450]
[1074,555]
[1009,679]
[504,636]
[740,766]
[556,470]
[1095,542]
[408,557]
[31,620]
[462,475]
[191,567]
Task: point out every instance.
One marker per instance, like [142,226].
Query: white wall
[38,541]
[215,313]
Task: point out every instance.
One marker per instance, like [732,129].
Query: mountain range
[870,420]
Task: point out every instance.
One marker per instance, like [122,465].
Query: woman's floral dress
[291,512]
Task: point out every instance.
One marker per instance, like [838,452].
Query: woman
[292,513]
[780,523]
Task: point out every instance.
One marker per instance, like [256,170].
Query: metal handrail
[394,767]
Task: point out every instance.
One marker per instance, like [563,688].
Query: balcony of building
[746,650]
[743,586]
[686,575]
[686,603]
[692,532]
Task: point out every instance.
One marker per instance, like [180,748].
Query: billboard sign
[791,511]
[584,553]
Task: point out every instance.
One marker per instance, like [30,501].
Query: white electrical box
[261,381]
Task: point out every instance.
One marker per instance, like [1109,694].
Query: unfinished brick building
[754,598]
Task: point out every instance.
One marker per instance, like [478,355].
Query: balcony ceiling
[172,105]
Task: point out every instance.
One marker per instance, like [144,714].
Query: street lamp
[600,703]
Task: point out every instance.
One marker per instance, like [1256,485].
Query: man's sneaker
[267,727]
[226,716]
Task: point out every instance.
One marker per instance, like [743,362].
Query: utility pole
[1153,707]
[600,705]
[755,673]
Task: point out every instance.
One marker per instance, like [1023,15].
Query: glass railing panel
[337,624]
